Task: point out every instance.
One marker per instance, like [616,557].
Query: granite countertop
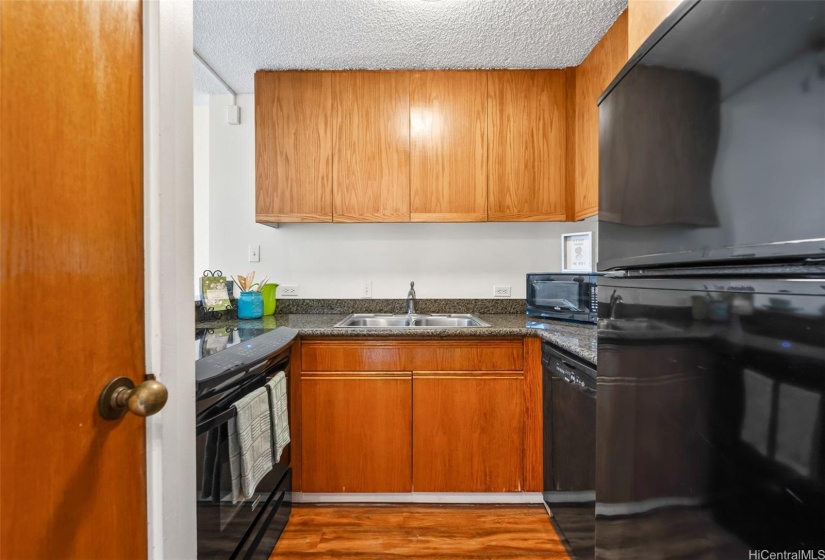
[577,338]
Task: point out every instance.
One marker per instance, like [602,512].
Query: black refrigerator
[709,439]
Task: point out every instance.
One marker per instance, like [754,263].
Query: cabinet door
[448,146]
[356,430]
[591,78]
[526,115]
[371,169]
[293,147]
[468,433]
[644,17]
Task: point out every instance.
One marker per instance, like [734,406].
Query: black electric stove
[230,364]
[211,341]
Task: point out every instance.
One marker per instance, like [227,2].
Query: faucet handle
[412,285]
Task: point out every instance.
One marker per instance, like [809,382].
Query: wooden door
[468,432]
[293,147]
[356,432]
[448,146]
[526,120]
[72,485]
[371,168]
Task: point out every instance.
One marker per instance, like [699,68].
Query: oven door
[247,529]
[225,530]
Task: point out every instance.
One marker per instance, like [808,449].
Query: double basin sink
[410,321]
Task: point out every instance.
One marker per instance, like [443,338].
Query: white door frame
[169,261]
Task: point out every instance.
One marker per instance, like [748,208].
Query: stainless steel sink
[372,321]
[410,321]
[448,322]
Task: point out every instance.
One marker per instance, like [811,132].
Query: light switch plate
[501,291]
[233,114]
[254,253]
[366,289]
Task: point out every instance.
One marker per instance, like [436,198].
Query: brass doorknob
[120,395]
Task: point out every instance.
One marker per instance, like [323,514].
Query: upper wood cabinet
[526,115]
[432,146]
[591,79]
[293,146]
[371,167]
[643,17]
[448,146]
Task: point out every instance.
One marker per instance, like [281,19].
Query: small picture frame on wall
[577,252]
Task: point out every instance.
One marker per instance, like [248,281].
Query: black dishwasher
[570,447]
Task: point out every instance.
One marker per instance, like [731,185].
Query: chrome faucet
[411,299]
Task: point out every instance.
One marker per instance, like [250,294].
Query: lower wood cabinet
[468,433]
[357,433]
[383,415]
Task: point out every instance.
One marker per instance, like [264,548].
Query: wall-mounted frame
[577,252]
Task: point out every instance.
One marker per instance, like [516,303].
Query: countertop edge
[577,339]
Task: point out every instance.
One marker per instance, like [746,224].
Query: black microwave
[571,297]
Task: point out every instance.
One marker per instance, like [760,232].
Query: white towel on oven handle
[279,411]
[250,444]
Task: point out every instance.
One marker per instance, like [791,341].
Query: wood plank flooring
[419,531]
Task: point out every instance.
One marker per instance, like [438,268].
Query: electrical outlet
[289,291]
[254,253]
[366,289]
[501,291]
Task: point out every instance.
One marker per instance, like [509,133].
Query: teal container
[250,305]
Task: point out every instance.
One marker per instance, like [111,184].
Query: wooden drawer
[412,355]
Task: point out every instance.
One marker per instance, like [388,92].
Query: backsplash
[345,306]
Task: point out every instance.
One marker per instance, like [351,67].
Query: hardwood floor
[419,531]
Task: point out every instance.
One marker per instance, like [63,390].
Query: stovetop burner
[211,341]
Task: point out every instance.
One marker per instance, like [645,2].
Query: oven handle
[231,412]
[221,418]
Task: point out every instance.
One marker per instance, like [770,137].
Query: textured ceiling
[237,37]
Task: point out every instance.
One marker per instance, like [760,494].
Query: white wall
[331,260]
[200,138]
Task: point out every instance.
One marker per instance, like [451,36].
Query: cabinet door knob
[120,395]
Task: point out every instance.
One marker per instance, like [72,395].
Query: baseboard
[421,498]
